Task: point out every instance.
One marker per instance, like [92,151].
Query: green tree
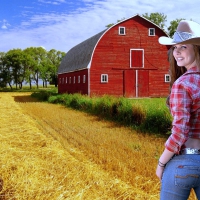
[14,61]
[36,58]
[157,18]
[54,57]
[119,20]
[3,71]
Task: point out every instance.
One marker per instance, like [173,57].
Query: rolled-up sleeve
[180,106]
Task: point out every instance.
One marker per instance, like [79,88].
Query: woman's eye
[174,47]
[183,47]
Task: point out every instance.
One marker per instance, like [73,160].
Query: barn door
[142,83]
[129,83]
[136,83]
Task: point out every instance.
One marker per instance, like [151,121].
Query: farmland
[52,152]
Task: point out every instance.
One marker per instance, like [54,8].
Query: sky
[62,24]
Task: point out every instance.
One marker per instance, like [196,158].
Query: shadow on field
[25,99]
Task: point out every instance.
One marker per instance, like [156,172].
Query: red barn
[123,60]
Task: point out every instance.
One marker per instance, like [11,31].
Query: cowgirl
[180,173]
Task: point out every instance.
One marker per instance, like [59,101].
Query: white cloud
[54,2]
[5,24]
[62,31]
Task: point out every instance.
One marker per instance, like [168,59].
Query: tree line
[18,67]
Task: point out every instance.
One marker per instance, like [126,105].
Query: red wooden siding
[72,85]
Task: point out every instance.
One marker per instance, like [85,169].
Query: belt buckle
[190,151]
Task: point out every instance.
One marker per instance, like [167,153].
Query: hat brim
[168,41]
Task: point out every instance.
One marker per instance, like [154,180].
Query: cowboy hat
[188,32]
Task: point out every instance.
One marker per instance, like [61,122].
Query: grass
[146,115]
[52,152]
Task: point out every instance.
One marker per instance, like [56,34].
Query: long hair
[197,55]
[174,70]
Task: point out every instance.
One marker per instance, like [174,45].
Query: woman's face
[184,55]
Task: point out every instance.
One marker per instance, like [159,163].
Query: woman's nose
[177,50]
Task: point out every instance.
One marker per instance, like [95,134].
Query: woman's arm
[164,158]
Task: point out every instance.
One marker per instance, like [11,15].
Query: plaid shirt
[185,109]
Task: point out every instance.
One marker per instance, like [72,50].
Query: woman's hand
[163,160]
[159,172]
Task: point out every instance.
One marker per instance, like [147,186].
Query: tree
[36,59]
[173,26]
[157,18]
[3,71]
[14,62]
[119,20]
[54,58]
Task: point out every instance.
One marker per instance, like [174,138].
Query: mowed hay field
[49,152]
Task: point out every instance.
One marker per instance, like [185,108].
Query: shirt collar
[193,69]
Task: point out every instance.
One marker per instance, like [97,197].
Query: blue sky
[62,24]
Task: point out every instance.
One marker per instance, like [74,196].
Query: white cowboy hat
[188,32]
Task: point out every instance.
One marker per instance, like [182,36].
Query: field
[50,152]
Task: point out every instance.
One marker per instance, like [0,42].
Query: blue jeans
[181,174]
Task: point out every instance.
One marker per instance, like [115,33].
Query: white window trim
[84,78]
[74,79]
[153,31]
[166,77]
[78,79]
[122,27]
[66,80]
[70,80]
[104,78]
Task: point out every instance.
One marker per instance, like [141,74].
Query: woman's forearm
[166,156]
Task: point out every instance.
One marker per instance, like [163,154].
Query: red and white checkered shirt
[185,109]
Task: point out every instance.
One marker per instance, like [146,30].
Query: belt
[189,151]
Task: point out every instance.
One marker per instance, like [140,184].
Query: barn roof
[79,56]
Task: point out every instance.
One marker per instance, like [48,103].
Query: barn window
[60,80]
[152,32]
[122,30]
[70,79]
[167,78]
[104,78]
[78,79]
[137,58]
[74,79]
[84,78]
[66,80]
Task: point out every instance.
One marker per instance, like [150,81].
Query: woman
[179,165]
